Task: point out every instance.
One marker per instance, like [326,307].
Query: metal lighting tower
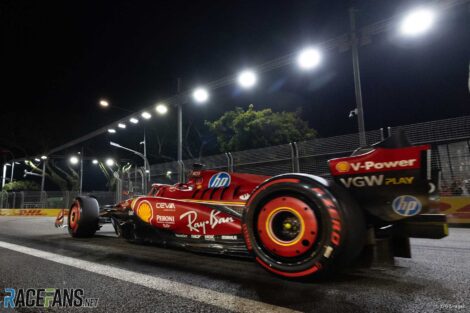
[43,177]
[179,105]
[12,170]
[357,78]
[81,171]
[146,162]
[4,174]
[147,170]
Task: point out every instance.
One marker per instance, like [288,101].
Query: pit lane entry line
[207,296]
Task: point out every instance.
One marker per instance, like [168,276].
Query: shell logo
[342,167]
[144,211]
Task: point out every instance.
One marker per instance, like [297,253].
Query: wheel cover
[287,226]
[74,216]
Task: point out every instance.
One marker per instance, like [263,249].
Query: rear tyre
[302,226]
[83,217]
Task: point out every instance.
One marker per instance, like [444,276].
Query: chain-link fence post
[43,198]
[14,201]
[229,157]
[66,199]
[3,196]
[295,157]
[21,206]
[118,194]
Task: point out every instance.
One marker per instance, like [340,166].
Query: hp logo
[406,205]
[219,180]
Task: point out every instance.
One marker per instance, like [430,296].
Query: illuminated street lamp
[110,162]
[133,120]
[122,125]
[104,103]
[146,115]
[200,95]
[417,22]
[94,161]
[44,157]
[161,109]
[309,58]
[111,131]
[247,79]
[74,160]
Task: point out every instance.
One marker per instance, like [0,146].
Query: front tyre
[302,226]
[83,218]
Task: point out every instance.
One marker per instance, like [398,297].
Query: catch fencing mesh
[449,140]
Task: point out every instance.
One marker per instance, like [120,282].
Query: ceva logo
[221,179]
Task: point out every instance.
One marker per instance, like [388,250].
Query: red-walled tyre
[83,219]
[301,226]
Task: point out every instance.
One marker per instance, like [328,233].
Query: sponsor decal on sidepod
[345,166]
[219,180]
[213,221]
[375,180]
[164,219]
[406,205]
[165,206]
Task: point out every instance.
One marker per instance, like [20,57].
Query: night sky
[58,58]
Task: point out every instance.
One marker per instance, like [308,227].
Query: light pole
[43,178]
[74,160]
[81,171]
[146,162]
[26,173]
[144,142]
[357,78]
[161,109]
[12,170]
[414,23]
[180,133]
[4,173]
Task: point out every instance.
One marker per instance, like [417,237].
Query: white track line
[208,296]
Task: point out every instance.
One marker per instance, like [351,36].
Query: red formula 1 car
[294,225]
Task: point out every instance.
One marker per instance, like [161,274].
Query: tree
[21,185]
[64,179]
[110,174]
[246,129]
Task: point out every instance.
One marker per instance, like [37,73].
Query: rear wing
[391,181]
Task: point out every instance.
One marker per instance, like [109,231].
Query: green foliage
[65,179]
[21,185]
[120,170]
[246,129]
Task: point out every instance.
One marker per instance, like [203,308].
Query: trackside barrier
[30,212]
[457,209]
[49,199]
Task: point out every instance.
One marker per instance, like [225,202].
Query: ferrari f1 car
[295,225]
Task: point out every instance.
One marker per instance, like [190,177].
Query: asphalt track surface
[135,278]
